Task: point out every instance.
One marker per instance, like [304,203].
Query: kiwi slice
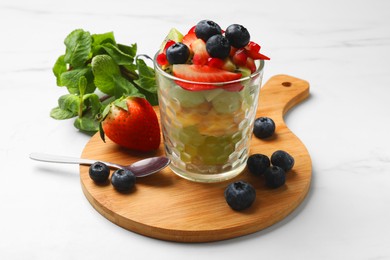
[173,35]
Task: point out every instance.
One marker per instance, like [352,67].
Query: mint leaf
[117,55]
[71,80]
[124,87]
[61,114]
[99,39]
[86,124]
[59,68]
[104,68]
[78,48]
[92,101]
[130,50]
[69,102]
[82,85]
[147,80]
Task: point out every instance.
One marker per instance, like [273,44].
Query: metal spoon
[140,168]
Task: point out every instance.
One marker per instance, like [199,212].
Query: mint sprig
[96,70]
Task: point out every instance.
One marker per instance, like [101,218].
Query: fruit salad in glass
[208,85]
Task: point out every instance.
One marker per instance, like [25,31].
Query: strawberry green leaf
[121,102]
[59,68]
[104,68]
[78,48]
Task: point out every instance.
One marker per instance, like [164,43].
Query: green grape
[227,102]
[186,98]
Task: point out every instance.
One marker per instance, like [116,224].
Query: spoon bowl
[140,168]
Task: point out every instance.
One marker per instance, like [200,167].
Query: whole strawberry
[131,122]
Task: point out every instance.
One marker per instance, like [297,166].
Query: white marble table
[341,47]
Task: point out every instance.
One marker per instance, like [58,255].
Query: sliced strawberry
[204,74]
[250,64]
[201,56]
[253,47]
[162,59]
[239,57]
[192,29]
[215,63]
[256,55]
[189,37]
[168,44]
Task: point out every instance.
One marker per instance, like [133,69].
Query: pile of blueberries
[217,45]
[241,195]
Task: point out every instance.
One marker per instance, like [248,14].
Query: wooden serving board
[168,207]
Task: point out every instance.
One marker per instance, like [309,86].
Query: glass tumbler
[207,132]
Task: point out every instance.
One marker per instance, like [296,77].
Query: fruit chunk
[173,35]
[206,28]
[201,56]
[178,53]
[258,163]
[198,73]
[263,127]
[237,35]
[99,172]
[123,180]
[240,195]
[227,102]
[282,159]
[218,46]
[186,100]
[275,177]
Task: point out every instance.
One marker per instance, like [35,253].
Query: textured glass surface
[207,133]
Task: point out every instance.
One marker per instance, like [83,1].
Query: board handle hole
[286,84]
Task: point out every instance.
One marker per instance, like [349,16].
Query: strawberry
[239,57]
[162,57]
[131,122]
[201,56]
[190,37]
[253,51]
[250,64]
[202,73]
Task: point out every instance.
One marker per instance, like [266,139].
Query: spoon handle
[60,159]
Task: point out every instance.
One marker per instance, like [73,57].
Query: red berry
[203,73]
[239,57]
[162,59]
[215,63]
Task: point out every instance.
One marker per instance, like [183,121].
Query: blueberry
[240,195]
[99,172]
[264,127]
[206,28]
[123,180]
[178,53]
[218,46]
[275,177]
[258,163]
[237,35]
[282,159]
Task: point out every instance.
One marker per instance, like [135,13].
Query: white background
[341,47]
